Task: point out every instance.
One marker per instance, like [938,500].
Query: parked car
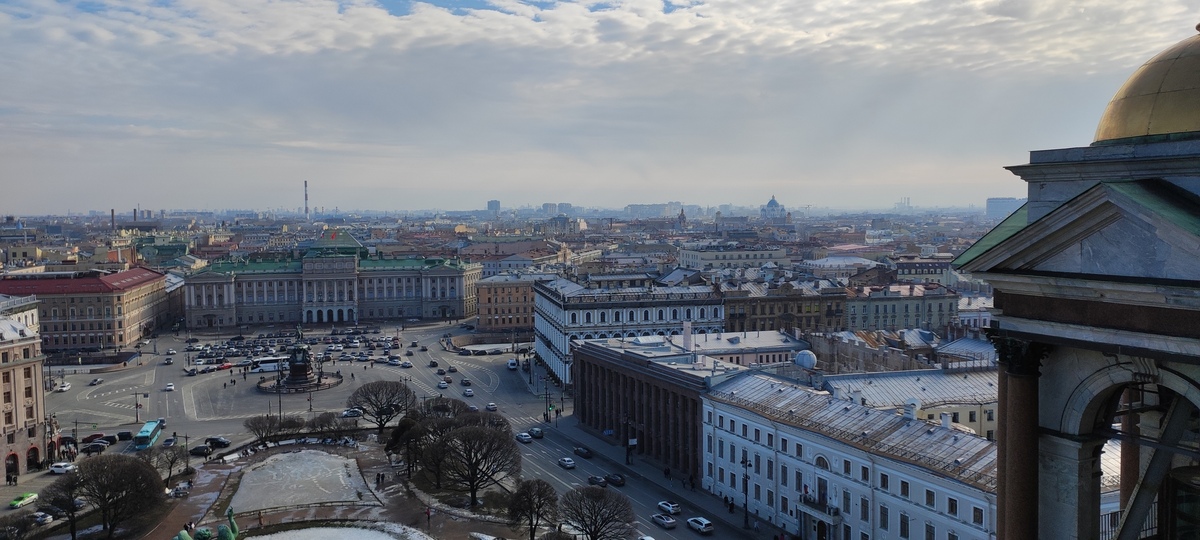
[63,387]
[536,432]
[169,442]
[523,438]
[94,448]
[352,413]
[218,442]
[406,364]
[595,480]
[92,437]
[202,451]
[41,518]
[615,479]
[670,507]
[96,381]
[566,463]
[583,452]
[700,525]
[124,435]
[23,499]
[62,467]
[54,511]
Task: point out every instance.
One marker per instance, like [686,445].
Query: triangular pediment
[1142,229]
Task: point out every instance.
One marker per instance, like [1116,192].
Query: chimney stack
[946,420]
[112,216]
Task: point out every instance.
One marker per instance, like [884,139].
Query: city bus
[148,435]
[269,364]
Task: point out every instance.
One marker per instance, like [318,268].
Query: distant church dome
[1160,99]
[806,359]
[772,203]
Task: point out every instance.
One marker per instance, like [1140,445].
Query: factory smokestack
[306,215]
[112,216]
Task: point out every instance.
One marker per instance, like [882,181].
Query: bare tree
[62,495]
[446,407]
[532,504]
[598,513]
[322,423]
[262,427]
[480,457]
[381,401]
[122,488]
[15,526]
[169,459]
[485,419]
[291,425]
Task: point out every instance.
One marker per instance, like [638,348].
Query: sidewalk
[644,469]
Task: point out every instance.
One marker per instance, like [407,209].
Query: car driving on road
[524,438]
[700,525]
[664,521]
[566,463]
[670,507]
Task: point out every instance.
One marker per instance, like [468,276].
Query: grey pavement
[649,470]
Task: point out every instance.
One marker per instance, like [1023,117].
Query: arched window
[645,314]
[574,318]
[674,314]
[701,313]
[632,317]
[587,318]
[688,313]
[616,316]
[603,316]
[822,463]
[661,315]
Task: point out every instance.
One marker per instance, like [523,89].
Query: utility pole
[137,409]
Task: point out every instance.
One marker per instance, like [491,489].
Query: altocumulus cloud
[588,102]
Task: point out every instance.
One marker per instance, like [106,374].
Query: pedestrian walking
[224,385]
[755,525]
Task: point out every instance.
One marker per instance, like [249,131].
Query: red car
[93,437]
[226,365]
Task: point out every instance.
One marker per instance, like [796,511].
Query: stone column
[1019,416]
[1070,503]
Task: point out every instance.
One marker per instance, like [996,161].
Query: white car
[62,467]
[663,520]
[468,393]
[700,525]
[41,518]
[170,387]
[443,385]
[63,387]
[171,351]
[524,438]
[670,507]
[566,463]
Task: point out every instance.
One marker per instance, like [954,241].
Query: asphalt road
[218,403]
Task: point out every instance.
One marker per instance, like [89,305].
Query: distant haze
[397,105]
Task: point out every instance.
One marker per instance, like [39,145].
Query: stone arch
[33,458]
[12,463]
[1089,398]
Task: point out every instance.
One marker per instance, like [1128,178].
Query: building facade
[95,309]
[506,301]
[732,257]
[896,307]
[333,282]
[30,433]
[817,306]
[829,469]
[915,269]
[615,306]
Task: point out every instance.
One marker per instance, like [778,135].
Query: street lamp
[746,492]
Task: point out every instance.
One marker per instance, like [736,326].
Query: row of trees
[596,513]
[125,490]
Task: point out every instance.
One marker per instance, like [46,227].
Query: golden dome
[1162,97]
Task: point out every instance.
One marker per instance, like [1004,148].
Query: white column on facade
[1071,507]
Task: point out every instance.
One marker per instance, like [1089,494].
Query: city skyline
[408,105]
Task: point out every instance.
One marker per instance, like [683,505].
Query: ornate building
[1097,295]
[30,433]
[334,281]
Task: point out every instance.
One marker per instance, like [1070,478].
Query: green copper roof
[1005,230]
[336,239]
[257,267]
[1172,203]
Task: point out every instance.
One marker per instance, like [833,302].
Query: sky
[405,105]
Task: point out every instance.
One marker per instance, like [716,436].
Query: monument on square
[224,532]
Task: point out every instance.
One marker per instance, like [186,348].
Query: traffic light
[551,407]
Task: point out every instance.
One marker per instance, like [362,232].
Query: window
[721,421]
[903,525]
[783,444]
[864,510]
[990,414]
[864,474]
[951,536]
[743,430]
[883,481]
[770,468]
[952,506]
[977,515]
[971,416]
[883,517]
[930,532]
[757,435]
[846,467]
[930,498]
[904,488]
[771,440]
[783,474]
[846,500]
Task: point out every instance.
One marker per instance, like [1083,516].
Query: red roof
[74,283]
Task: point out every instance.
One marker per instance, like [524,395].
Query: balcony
[824,512]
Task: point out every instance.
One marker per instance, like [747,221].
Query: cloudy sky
[396,104]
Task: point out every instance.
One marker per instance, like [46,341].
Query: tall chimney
[112,216]
[135,213]
[306,215]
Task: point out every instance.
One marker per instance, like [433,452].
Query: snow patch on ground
[378,531]
[300,478]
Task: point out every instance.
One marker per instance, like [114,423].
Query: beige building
[896,307]
[94,309]
[731,257]
[30,434]
[506,301]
